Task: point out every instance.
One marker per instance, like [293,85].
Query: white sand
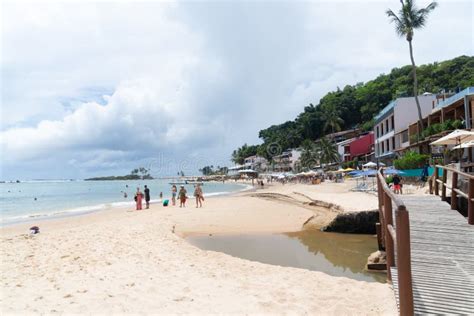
[131,262]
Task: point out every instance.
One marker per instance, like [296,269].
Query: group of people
[181,194]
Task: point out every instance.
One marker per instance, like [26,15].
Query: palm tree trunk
[415,90]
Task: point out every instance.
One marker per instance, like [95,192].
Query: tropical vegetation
[141,173]
[357,104]
[409,19]
[209,170]
[411,160]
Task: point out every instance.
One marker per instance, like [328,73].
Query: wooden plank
[442,257]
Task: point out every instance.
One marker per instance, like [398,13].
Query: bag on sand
[165,202]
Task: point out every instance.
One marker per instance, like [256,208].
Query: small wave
[94,208]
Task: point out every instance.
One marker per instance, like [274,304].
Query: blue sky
[99,88]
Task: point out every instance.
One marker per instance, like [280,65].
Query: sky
[94,88]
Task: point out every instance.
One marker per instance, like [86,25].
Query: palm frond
[399,25]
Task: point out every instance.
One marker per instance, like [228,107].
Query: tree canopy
[356,105]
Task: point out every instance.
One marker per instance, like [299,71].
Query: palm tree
[332,119]
[309,155]
[408,19]
[327,151]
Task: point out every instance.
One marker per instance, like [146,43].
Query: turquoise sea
[63,197]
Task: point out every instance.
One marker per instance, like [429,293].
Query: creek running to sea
[332,253]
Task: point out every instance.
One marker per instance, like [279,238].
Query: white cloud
[186,81]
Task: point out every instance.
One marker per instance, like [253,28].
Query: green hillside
[356,105]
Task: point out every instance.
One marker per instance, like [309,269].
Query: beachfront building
[286,161]
[344,149]
[392,122]
[342,135]
[362,148]
[256,163]
[446,114]
[234,171]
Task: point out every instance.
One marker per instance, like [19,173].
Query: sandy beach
[122,261]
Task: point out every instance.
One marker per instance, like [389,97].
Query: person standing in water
[147,197]
[198,195]
[174,191]
[182,196]
[138,199]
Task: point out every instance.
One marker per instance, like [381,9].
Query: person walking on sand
[174,191]
[198,195]
[147,197]
[138,199]
[182,196]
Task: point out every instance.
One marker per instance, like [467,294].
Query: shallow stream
[331,253]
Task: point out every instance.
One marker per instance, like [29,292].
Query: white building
[287,160]
[392,122]
[256,163]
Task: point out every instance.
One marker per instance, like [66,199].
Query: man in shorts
[147,197]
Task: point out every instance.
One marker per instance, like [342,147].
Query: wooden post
[430,184]
[379,196]
[388,237]
[378,229]
[436,184]
[404,262]
[445,179]
[470,203]
[454,195]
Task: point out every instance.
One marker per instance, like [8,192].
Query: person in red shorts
[397,184]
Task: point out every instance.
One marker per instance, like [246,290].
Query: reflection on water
[332,253]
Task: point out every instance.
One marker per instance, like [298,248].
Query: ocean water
[63,198]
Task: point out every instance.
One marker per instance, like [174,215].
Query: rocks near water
[354,223]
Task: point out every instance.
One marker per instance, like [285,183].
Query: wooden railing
[396,241]
[456,192]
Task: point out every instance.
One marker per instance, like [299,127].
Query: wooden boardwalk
[442,257]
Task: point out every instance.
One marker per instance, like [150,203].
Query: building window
[404,136]
[393,142]
[381,127]
[378,131]
[387,144]
[386,126]
[383,147]
[393,123]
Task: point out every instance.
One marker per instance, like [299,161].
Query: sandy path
[130,262]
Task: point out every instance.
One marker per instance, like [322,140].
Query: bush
[389,179]
[411,160]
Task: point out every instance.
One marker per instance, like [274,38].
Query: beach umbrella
[370,164]
[369,172]
[464,145]
[456,137]
[393,171]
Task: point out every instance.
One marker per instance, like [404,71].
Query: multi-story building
[286,161]
[344,149]
[457,108]
[392,122]
[256,163]
[362,148]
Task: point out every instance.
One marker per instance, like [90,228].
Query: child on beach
[182,196]
[198,195]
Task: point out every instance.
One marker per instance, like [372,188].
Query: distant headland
[136,174]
